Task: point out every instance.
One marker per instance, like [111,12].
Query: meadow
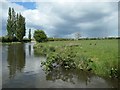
[97,56]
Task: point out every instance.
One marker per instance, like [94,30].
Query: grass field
[98,56]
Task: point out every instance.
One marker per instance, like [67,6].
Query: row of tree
[15,25]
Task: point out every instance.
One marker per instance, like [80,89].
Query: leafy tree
[9,23]
[29,35]
[15,25]
[40,36]
[13,22]
[17,18]
[20,28]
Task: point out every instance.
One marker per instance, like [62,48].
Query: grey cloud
[100,29]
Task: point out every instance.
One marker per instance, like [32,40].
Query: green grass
[102,53]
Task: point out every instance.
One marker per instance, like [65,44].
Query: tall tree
[15,25]
[20,29]
[9,23]
[16,31]
[29,35]
[13,22]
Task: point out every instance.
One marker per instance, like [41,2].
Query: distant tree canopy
[15,25]
[40,36]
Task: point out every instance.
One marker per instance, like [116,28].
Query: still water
[21,68]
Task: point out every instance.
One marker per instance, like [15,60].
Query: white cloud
[63,18]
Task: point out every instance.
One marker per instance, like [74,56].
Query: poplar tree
[13,22]
[20,29]
[16,31]
[9,23]
[15,25]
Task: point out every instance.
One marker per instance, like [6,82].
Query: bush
[40,36]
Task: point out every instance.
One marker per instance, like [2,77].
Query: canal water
[21,68]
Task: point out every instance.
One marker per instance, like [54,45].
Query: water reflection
[15,59]
[79,78]
[30,49]
[68,76]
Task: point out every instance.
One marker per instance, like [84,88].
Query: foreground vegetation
[97,56]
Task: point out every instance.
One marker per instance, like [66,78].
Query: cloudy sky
[63,19]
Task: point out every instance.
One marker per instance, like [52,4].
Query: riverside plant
[54,60]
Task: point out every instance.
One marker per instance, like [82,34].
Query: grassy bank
[97,56]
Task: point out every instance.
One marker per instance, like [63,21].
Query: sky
[63,19]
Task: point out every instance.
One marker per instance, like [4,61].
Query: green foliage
[13,22]
[65,60]
[15,25]
[40,36]
[14,39]
[20,31]
[52,49]
[8,39]
[9,23]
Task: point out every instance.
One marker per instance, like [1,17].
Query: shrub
[40,36]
